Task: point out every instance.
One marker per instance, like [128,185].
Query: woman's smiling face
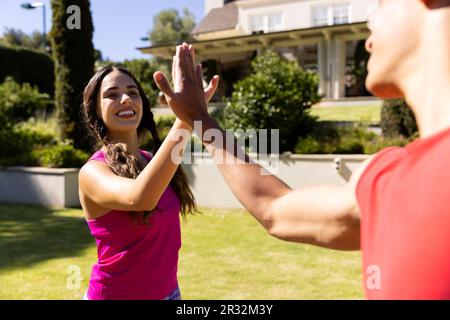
[120,104]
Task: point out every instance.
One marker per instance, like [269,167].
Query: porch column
[322,66]
[338,69]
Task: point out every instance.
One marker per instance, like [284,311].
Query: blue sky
[119,24]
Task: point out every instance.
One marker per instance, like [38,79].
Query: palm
[188,99]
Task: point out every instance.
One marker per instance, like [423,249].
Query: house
[324,36]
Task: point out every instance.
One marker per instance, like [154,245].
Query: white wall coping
[285,156]
[325,156]
[40,170]
[294,156]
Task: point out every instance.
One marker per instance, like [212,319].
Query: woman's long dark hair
[119,160]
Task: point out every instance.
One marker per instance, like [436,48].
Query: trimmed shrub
[397,119]
[275,96]
[28,66]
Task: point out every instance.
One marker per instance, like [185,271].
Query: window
[330,15]
[266,22]
[320,16]
[340,14]
[256,23]
[275,22]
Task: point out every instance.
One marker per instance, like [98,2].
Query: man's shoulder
[380,159]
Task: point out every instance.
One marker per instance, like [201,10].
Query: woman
[131,199]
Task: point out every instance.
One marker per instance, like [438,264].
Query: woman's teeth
[126,113]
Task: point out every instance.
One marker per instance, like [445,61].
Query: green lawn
[225,255]
[368,114]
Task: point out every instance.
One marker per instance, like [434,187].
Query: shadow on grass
[31,234]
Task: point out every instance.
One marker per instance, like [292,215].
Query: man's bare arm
[326,216]
[322,215]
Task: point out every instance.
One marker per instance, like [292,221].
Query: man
[396,205]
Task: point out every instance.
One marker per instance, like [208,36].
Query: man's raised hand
[188,99]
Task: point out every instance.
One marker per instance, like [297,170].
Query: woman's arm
[108,190]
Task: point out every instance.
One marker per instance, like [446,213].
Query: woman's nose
[125,99]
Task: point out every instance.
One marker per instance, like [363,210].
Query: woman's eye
[133,93]
[111,96]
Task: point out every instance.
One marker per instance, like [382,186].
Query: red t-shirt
[404,199]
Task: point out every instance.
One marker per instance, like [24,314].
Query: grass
[225,255]
[367,114]
[370,114]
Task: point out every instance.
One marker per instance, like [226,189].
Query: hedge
[27,66]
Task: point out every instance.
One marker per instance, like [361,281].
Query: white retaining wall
[59,187]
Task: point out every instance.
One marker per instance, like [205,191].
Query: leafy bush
[397,119]
[322,138]
[46,124]
[327,139]
[60,156]
[163,125]
[16,145]
[275,96]
[219,114]
[25,145]
[383,142]
[20,102]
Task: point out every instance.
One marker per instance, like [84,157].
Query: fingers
[177,70]
[184,67]
[162,98]
[212,87]
[173,69]
[163,84]
[199,71]
[188,61]
[192,51]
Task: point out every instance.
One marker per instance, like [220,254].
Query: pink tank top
[136,261]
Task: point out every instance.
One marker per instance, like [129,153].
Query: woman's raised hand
[188,99]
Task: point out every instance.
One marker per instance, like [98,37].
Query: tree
[275,96]
[143,70]
[169,27]
[16,37]
[74,56]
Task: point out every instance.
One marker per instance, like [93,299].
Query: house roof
[224,18]
[280,39]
